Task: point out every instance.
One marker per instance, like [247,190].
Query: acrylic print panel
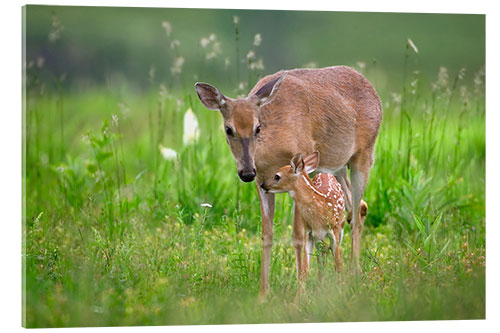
[136,212]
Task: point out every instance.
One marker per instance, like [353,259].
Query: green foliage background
[115,234]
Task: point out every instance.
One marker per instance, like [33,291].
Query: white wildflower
[114,120]
[412,45]
[40,61]
[441,84]
[396,98]
[56,29]
[168,27]
[461,73]
[257,39]
[215,49]
[257,65]
[167,153]
[250,54]
[204,42]
[242,85]
[443,76]
[442,80]
[478,81]
[163,90]
[206,205]
[361,65]
[175,44]
[176,69]
[414,86]
[310,64]
[464,94]
[191,128]
[236,20]
[227,63]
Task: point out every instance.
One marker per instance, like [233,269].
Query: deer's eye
[229,131]
[277,178]
[257,130]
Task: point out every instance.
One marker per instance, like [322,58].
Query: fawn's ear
[268,91]
[311,162]
[297,163]
[210,96]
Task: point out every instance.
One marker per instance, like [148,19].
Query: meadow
[134,213]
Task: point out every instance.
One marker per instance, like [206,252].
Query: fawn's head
[241,121]
[285,179]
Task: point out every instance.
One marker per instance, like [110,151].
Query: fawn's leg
[267,213]
[337,252]
[319,258]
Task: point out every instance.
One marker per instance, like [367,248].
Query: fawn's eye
[257,130]
[277,178]
[229,131]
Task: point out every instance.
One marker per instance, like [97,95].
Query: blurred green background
[119,46]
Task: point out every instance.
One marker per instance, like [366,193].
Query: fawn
[320,206]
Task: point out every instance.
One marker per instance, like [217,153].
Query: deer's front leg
[267,214]
[299,242]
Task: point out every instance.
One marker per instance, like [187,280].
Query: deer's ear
[268,91]
[311,162]
[297,163]
[210,96]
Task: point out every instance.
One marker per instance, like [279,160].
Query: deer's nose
[246,175]
[263,186]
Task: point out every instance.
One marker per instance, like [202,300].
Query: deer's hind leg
[360,169]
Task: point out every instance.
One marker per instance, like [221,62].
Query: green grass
[115,235]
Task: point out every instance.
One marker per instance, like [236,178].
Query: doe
[333,110]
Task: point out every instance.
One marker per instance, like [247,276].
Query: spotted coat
[328,185]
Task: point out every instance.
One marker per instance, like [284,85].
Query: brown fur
[320,202]
[333,110]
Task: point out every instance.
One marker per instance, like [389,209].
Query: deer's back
[334,110]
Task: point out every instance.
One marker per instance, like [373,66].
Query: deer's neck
[305,193]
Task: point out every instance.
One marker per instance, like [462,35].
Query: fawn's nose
[264,187]
[247,175]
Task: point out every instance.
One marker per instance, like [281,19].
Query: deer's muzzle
[247,175]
